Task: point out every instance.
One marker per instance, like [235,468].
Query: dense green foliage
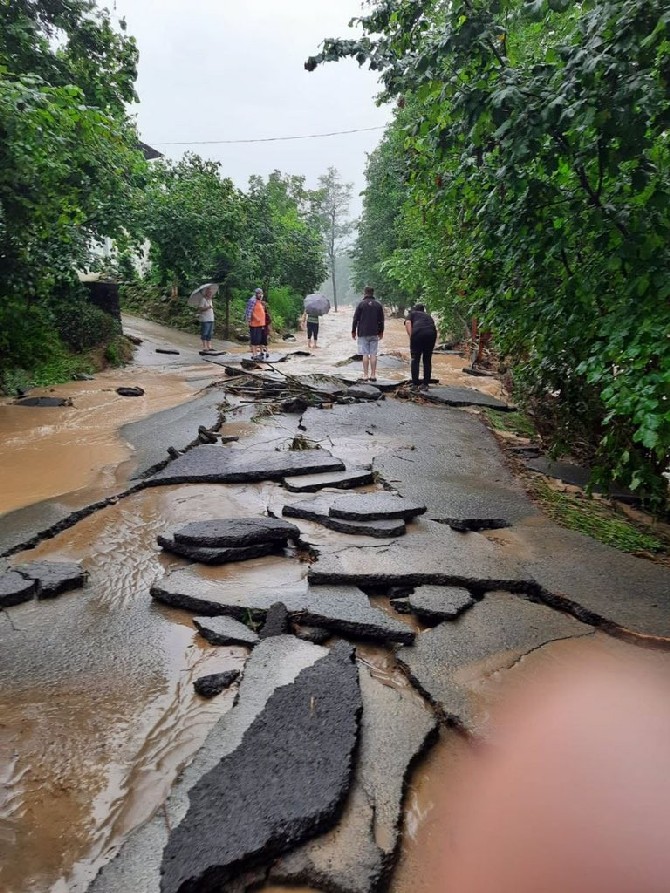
[70,169]
[202,228]
[72,176]
[192,217]
[380,248]
[534,141]
[282,242]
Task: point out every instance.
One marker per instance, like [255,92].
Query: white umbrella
[317,304]
[197,296]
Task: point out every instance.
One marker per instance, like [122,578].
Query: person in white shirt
[206,313]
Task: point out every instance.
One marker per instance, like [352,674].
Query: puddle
[51,451]
[429,823]
[383,667]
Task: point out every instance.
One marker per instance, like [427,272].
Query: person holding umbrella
[311,320]
[316,305]
[203,299]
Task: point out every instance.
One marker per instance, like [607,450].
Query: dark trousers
[312,330]
[421,348]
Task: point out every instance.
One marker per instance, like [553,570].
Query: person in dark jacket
[368,327]
[422,337]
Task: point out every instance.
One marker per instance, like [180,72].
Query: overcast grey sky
[233,69]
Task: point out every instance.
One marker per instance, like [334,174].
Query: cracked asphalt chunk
[358,855]
[449,663]
[341,609]
[216,464]
[285,783]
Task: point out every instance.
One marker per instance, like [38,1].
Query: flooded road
[97,704]
[98,709]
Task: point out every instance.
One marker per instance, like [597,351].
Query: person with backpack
[422,332]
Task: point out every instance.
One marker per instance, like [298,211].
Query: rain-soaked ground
[98,713]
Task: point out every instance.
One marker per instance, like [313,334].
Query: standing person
[255,315]
[206,316]
[312,321]
[422,332]
[368,327]
[266,329]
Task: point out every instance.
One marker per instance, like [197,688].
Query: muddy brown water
[97,709]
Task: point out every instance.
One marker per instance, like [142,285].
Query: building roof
[149,153]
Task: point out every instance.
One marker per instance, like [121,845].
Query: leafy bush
[285,308]
[83,326]
[27,335]
[119,351]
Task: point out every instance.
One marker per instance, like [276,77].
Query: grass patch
[513,422]
[595,519]
[55,370]
[118,352]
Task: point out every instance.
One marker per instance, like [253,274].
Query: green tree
[332,208]
[379,234]
[193,219]
[539,147]
[282,243]
[70,169]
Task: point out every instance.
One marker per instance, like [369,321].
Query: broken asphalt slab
[225,631]
[439,602]
[53,577]
[318,510]
[286,783]
[364,392]
[277,622]
[213,684]
[445,559]
[341,609]
[598,584]
[357,855]
[220,554]
[443,458]
[15,589]
[375,507]
[449,662]
[230,539]
[577,476]
[339,480]
[43,401]
[273,664]
[453,396]
[472,524]
[176,427]
[218,465]
[236,532]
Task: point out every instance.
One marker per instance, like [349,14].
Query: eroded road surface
[350,574]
